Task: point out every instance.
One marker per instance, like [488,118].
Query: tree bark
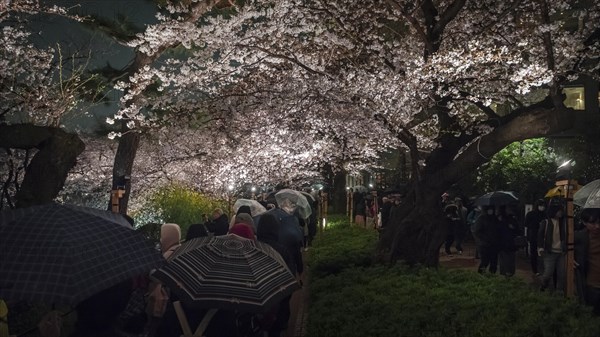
[416,230]
[129,142]
[338,193]
[46,174]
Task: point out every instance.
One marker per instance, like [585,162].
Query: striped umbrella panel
[228,272]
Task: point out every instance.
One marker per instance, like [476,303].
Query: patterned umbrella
[227,272]
[64,253]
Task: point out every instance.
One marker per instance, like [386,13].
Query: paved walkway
[467,261]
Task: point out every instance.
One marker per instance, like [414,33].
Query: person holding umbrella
[487,232]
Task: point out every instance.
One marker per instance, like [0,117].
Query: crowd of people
[112,313]
[499,233]
[369,211]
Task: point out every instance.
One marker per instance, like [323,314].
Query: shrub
[398,301]
[176,204]
[341,246]
[351,296]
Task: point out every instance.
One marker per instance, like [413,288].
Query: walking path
[468,261]
[299,302]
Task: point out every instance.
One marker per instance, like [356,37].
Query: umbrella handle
[185,326]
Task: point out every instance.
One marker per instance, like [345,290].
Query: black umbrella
[227,272]
[497,198]
[64,253]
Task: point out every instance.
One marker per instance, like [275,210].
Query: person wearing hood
[243,230]
[532,223]
[170,238]
[244,209]
[219,224]
[244,218]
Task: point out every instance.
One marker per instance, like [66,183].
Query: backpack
[156,303]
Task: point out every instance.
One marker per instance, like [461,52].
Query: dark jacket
[582,245]
[269,233]
[290,235]
[532,222]
[509,230]
[219,226]
[487,230]
[196,230]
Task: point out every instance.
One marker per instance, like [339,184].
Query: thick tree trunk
[130,140]
[415,231]
[46,174]
[338,193]
[123,167]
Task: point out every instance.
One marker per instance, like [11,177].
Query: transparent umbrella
[294,199]
[588,195]
[255,207]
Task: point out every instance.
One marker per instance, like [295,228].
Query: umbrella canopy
[581,197]
[228,272]
[497,198]
[64,253]
[294,199]
[255,207]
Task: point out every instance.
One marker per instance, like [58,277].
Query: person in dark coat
[268,232]
[509,230]
[290,235]
[219,224]
[386,207]
[196,230]
[587,259]
[532,223]
[487,232]
[97,315]
[312,222]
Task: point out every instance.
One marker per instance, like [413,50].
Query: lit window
[575,98]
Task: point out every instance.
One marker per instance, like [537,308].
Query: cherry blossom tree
[267,91]
[430,71]
[37,154]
